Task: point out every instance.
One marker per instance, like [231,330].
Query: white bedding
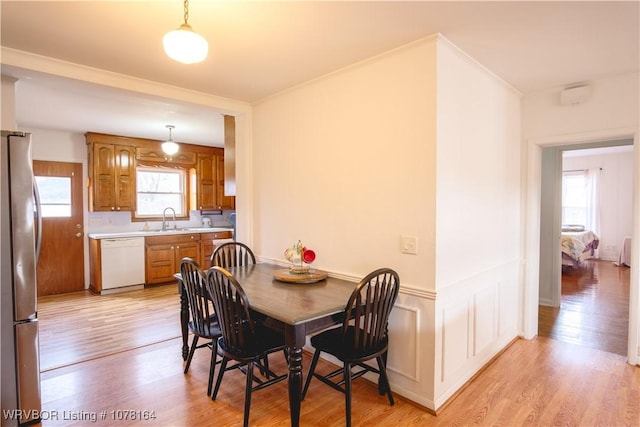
[578,246]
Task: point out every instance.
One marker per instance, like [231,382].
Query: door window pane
[55,196]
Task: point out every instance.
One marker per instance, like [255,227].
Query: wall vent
[574,95]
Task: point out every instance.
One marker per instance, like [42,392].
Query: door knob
[78,234]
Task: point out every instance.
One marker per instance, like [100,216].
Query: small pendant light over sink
[170,147]
[184,45]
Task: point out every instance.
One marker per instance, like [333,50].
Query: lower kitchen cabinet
[208,244]
[163,255]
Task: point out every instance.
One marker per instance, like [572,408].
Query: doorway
[542,253]
[61,264]
[591,298]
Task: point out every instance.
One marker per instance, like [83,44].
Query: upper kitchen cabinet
[206,193]
[224,202]
[210,182]
[113,161]
[112,176]
[156,155]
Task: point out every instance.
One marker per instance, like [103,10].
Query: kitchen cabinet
[207,245]
[156,155]
[206,193]
[223,202]
[163,255]
[210,184]
[112,173]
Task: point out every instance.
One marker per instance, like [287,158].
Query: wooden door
[61,264]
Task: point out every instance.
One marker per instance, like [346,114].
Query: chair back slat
[233,309]
[232,254]
[369,306]
[200,307]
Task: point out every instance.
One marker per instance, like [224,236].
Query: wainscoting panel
[404,349]
[475,320]
[455,337]
[485,318]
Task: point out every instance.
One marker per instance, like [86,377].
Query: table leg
[295,384]
[184,321]
[295,339]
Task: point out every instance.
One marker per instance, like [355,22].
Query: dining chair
[362,336]
[244,340]
[203,322]
[232,254]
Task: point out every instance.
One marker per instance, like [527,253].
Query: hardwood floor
[80,326]
[594,310]
[533,382]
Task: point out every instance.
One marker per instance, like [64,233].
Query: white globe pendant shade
[170,147]
[183,45]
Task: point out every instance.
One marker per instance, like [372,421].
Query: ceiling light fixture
[184,45]
[169,146]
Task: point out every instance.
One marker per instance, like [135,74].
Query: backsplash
[114,222]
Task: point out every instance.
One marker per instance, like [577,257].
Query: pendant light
[170,147]
[184,45]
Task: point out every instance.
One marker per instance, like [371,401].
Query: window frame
[184,171]
[584,174]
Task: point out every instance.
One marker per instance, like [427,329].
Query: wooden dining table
[298,309]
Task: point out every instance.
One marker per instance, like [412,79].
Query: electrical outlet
[409,245]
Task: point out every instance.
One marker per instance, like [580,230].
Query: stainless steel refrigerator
[19,245]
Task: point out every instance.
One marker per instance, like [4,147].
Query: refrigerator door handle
[38,219]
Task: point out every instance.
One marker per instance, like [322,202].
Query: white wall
[348,163]
[612,104]
[477,218]
[7,103]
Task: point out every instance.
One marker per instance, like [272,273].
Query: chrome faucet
[164,218]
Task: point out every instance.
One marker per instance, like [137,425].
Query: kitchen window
[159,188]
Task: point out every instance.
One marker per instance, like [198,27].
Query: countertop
[143,233]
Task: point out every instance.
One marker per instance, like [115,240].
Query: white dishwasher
[122,262]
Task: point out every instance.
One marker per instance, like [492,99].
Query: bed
[578,245]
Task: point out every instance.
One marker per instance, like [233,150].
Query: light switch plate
[409,245]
